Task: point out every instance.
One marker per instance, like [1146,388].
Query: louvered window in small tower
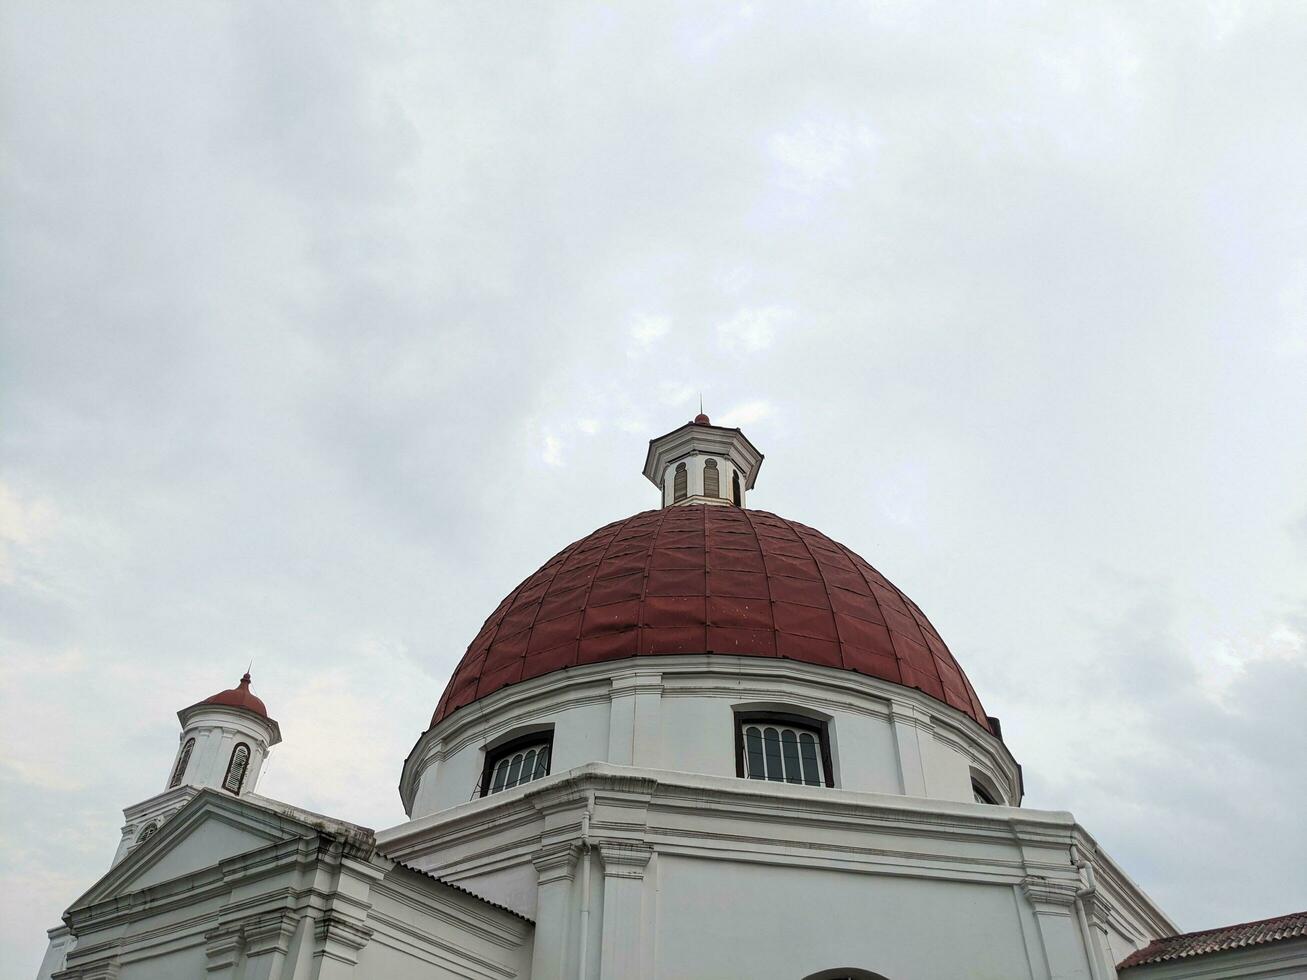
[712,486]
[240,760]
[736,497]
[680,483]
[183,758]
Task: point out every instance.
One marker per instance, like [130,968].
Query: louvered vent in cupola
[712,486]
[183,758]
[240,760]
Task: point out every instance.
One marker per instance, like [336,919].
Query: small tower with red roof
[223,745]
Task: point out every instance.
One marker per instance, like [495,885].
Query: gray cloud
[322,329]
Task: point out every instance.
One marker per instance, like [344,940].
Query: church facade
[702,742]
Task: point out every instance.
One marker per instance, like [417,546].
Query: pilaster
[555,872]
[337,941]
[625,924]
[908,723]
[1053,900]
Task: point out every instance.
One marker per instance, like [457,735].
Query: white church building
[701,742]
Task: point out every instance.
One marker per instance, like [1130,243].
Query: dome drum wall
[680,713]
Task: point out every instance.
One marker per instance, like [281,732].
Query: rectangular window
[782,749]
[516,763]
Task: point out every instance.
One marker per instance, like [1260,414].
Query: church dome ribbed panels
[704,579]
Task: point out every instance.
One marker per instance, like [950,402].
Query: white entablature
[702,463]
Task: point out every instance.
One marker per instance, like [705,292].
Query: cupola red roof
[239,696]
[709,580]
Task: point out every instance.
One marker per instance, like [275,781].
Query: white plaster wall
[749,922]
[677,713]
[417,938]
[747,879]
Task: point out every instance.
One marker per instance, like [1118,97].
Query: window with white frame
[782,749]
[517,762]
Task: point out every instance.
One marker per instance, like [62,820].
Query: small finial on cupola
[702,463]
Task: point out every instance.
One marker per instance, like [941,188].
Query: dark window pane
[753,753]
[808,751]
[790,751]
[501,772]
[529,766]
[772,747]
[514,771]
[542,762]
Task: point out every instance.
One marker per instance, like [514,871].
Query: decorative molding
[556,863]
[108,968]
[1049,896]
[625,859]
[269,933]
[223,946]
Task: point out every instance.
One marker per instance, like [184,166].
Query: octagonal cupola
[702,463]
[225,741]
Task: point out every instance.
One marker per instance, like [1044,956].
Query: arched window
[240,761]
[680,488]
[179,770]
[711,480]
[984,789]
[150,830]
[782,749]
[736,496]
[517,762]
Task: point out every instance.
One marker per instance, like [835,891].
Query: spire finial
[246,678]
[701,419]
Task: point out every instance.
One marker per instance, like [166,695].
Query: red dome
[239,696]
[708,579]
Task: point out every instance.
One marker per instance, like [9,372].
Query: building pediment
[212,829]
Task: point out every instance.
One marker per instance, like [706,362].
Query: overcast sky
[322,328]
